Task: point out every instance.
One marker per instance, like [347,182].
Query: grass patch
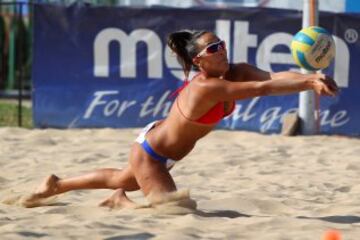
[9,115]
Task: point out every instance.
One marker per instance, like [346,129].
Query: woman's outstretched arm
[224,90]
[244,72]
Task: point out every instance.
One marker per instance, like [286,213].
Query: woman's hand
[324,85]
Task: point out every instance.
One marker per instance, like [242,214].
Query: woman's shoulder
[203,85]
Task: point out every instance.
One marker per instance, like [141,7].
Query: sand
[246,186]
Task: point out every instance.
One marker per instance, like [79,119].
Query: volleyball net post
[308,100]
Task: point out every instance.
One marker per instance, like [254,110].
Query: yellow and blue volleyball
[313,48]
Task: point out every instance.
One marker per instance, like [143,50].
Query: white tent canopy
[324,5]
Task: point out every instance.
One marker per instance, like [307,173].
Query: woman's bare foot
[48,187]
[118,200]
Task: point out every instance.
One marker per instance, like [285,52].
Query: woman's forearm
[287,83]
[286,75]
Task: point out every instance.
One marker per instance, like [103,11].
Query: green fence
[15,42]
[15,57]
[15,47]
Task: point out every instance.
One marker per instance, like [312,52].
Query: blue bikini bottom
[149,150]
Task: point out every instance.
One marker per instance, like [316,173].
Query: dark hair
[184,44]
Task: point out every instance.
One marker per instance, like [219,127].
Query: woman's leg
[107,178]
[151,175]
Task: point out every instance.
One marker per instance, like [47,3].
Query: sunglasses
[212,48]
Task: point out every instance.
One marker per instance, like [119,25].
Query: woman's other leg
[151,175]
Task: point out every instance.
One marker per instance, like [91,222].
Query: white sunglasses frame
[203,52]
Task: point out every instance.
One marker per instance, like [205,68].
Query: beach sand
[246,186]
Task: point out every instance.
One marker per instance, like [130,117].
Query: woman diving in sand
[200,104]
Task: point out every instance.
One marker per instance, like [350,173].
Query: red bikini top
[214,115]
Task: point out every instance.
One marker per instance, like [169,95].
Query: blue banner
[110,67]
[352,6]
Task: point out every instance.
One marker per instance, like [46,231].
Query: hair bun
[183,43]
[178,40]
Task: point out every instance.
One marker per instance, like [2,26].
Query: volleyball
[313,48]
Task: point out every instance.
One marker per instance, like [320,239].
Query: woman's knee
[121,178]
[151,175]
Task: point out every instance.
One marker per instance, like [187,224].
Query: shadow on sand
[336,219]
[221,213]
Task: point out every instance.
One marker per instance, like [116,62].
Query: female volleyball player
[198,107]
